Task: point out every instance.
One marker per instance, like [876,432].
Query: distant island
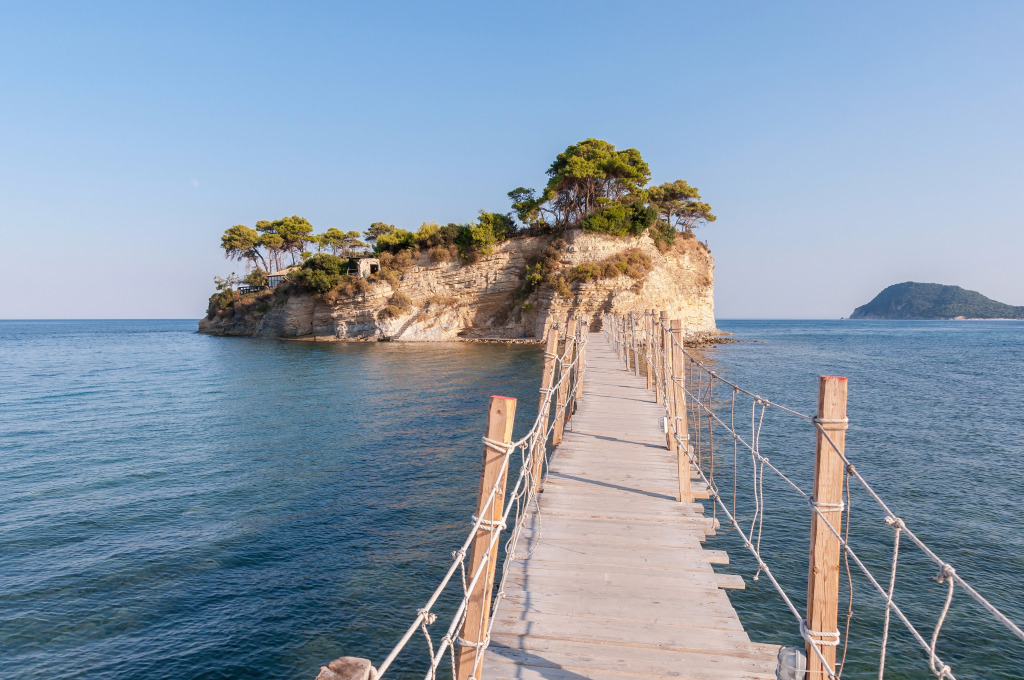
[912,300]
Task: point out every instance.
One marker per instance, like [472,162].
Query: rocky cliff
[453,300]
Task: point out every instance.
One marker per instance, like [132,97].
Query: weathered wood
[583,331]
[648,365]
[546,380]
[609,579]
[823,573]
[659,357]
[347,668]
[666,349]
[500,418]
[563,385]
[679,421]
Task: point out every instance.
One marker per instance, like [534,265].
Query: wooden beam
[547,379]
[500,419]
[563,386]
[823,571]
[679,422]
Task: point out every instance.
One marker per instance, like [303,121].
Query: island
[912,300]
[598,238]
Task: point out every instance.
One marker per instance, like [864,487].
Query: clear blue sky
[844,146]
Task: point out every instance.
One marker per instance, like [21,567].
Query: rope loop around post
[489,524]
[500,447]
[831,639]
[832,424]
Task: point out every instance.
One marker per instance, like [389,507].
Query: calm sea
[180,506]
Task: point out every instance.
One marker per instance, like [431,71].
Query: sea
[184,507]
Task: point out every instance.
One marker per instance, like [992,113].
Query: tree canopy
[679,205]
[593,186]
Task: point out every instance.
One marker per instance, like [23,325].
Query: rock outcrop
[453,300]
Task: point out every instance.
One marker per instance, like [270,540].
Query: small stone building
[367,266]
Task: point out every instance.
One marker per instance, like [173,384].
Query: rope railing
[559,393]
[653,343]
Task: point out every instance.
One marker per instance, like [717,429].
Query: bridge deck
[610,580]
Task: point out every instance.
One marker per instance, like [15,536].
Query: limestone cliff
[453,300]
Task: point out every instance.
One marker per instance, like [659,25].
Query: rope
[700,401]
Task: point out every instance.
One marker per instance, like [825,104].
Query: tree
[680,206]
[584,180]
[274,244]
[295,233]
[242,243]
[378,229]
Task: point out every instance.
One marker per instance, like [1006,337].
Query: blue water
[180,506]
[936,413]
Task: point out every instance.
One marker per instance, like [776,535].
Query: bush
[439,254]
[395,241]
[389,312]
[621,220]
[664,235]
[400,300]
[321,273]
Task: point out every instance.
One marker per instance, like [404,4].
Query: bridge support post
[648,334]
[635,333]
[500,418]
[823,572]
[546,380]
[679,425]
[581,361]
[666,348]
[563,387]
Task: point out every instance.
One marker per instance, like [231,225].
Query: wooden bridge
[604,575]
[612,580]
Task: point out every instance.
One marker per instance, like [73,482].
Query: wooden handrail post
[584,332]
[666,349]
[649,364]
[658,357]
[546,380]
[563,386]
[670,395]
[823,572]
[636,343]
[500,418]
[679,424]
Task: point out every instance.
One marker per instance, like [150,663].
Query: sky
[844,146]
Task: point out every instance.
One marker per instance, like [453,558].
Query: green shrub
[395,241]
[621,220]
[321,273]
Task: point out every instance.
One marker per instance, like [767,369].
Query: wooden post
[546,380]
[670,393]
[563,386]
[500,419]
[657,358]
[634,331]
[679,425]
[823,573]
[584,332]
[666,349]
[649,364]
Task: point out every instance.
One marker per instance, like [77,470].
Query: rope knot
[850,470]
[428,616]
[947,572]
[895,522]
[463,642]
